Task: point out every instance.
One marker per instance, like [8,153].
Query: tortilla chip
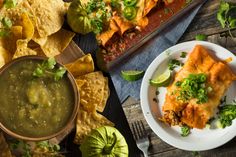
[49,15]
[86,121]
[57,42]
[106,94]
[81,66]
[28,27]
[39,40]
[4,148]
[23,50]
[9,42]
[93,90]
[4,56]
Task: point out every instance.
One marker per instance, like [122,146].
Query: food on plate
[36,99]
[161,80]
[227,114]
[32,27]
[81,66]
[194,95]
[4,147]
[104,141]
[132,75]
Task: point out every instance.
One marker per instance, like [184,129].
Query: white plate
[198,140]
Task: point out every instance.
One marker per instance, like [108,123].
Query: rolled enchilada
[189,111]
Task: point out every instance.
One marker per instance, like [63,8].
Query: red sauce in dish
[118,45]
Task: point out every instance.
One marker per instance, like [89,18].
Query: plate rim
[176,142]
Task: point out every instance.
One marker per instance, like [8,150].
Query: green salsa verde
[34,106]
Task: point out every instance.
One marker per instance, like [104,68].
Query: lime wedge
[132,75]
[161,80]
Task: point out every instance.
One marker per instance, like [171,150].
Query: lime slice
[132,75]
[161,80]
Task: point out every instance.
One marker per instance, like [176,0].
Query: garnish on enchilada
[195,93]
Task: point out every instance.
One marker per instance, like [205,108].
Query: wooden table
[205,22]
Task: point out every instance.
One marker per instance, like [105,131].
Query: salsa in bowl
[38,99]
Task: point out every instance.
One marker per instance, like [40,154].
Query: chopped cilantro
[6,25]
[173,63]
[48,67]
[185,131]
[9,3]
[183,54]
[227,114]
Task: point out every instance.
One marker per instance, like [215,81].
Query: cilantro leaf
[185,131]
[9,3]
[48,67]
[6,22]
[201,37]
[183,54]
[59,73]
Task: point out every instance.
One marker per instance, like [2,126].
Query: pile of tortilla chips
[94,92]
[35,29]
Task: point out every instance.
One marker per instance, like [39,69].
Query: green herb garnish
[201,37]
[185,131]
[48,67]
[183,54]
[46,145]
[9,3]
[226,15]
[173,63]
[227,114]
[194,86]
[6,25]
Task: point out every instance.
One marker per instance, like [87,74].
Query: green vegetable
[227,114]
[6,25]
[104,141]
[6,22]
[41,148]
[226,15]
[130,2]
[46,145]
[193,87]
[201,37]
[173,63]
[185,131]
[115,4]
[49,68]
[89,17]
[183,54]
[78,19]
[9,3]
[129,12]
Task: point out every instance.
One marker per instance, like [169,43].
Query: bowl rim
[73,114]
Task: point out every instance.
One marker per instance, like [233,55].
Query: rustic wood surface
[205,22]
